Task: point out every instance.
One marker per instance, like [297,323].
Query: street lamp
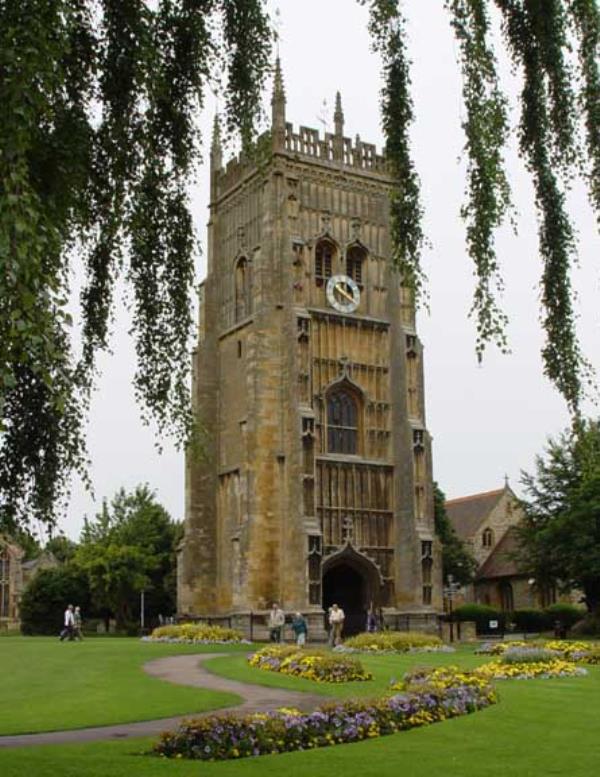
[142,603]
[450,591]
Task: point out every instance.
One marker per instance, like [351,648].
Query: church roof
[467,513]
[501,561]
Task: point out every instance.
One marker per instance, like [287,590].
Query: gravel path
[182,670]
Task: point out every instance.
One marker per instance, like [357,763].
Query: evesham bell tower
[314,483]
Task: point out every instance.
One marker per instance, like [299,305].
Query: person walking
[300,629]
[336,621]
[77,624]
[276,622]
[371,620]
[68,623]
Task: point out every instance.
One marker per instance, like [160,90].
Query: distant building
[15,574]
[486,523]
[11,583]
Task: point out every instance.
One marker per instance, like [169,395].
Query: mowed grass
[48,685]
[540,728]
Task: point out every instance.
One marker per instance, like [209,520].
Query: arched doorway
[352,581]
[344,586]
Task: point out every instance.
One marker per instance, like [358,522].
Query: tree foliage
[129,547]
[560,536]
[457,560]
[47,596]
[98,144]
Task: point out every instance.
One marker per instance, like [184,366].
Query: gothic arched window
[355,256]
[342,422]
[487,538]
[243,288]
[4,584]
[324,253]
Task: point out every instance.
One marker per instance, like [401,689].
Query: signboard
[493,624]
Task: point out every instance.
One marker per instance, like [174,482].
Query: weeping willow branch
[97,149]
[540,133]
[586,16]
[486,130]
[386,26]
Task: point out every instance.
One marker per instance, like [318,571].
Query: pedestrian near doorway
[371,620]
[336,622]
[276,622]
[300,629]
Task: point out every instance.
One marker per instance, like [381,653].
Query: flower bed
[498,648]
[528,669]
[395,642]
[195,633]
[317,665]
[571,650]
[440,678]
[222,737]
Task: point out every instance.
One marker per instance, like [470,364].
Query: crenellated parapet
[308,142]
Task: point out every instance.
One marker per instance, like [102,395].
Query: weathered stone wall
[266,501]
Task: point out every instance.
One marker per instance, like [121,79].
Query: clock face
[342,293]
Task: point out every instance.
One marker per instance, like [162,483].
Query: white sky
[486,421]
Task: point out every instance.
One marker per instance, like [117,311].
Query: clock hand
[343,292]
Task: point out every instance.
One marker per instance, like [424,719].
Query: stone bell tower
[314,483]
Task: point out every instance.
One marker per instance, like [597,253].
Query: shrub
[47,596]
[221,737]
[482,614]
[530,620]
[394,641]
[317,665]
[589,626]
[567,614]
[195,632]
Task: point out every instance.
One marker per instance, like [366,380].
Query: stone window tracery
[342,422]
[426,568]
[4,584]
[355,257]
[487,538]
[243,288]
[324,253]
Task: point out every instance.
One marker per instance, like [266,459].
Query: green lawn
[49,685]
[540,727]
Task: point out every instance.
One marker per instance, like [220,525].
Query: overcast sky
[486,421]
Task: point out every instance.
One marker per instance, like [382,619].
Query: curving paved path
[182,670]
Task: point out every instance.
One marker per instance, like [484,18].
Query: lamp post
[142,604]
[450,591]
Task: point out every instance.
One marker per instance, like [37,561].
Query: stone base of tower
[254,624]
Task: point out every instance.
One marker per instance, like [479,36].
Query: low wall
[254,625]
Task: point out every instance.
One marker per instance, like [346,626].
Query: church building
[313,484]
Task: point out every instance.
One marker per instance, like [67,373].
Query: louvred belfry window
[354,263]
[323,261]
